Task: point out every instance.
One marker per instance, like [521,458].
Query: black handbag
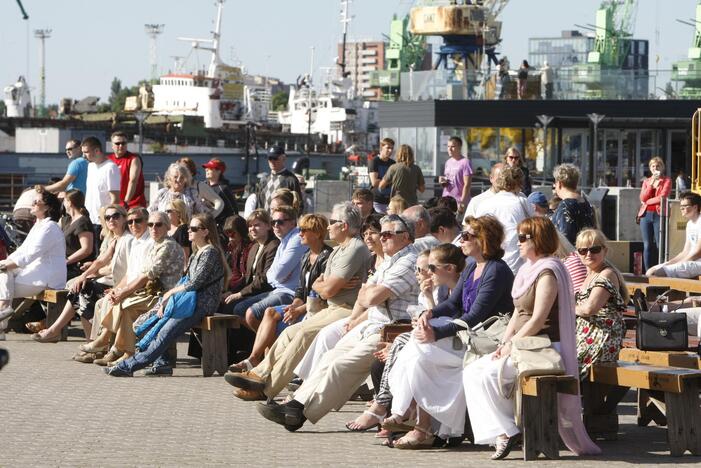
[662,331]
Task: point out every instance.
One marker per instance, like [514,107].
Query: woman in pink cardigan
[654,188]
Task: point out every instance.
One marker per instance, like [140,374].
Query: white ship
[18,101]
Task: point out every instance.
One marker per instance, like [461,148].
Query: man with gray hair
[346,269]
[382,300]
[421,219]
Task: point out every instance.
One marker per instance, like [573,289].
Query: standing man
[102,186]
[546,77]
[457,175]
[77,172]
[377,168]
[279,177]
[131,192]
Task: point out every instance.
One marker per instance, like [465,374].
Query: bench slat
[681,284]
[228,321]
[661,358]
[565,384]
[641,376]
[51,295]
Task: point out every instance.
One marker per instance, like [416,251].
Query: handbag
[484,338]
[662,331]
[531,355]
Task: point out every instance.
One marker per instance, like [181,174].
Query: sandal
[409,442]
[243,366]
[92,348]
[354,426]
[503,446]
[35,327]
[397,423]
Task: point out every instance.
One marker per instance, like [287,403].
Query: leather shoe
[245,380]
[86,358]
[249,395]
[115,371]
[294,417]
[272,412]
[161,371]
[46,338]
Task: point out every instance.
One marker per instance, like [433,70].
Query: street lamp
[141,117]
[595,119]
[545,121]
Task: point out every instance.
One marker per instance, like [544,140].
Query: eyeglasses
[389,234]
[523,238]
[197,228]
[71,148]
[280,222]
[157,224]
[113,216]
[119,143]
[466,236]
[334,221]
[594,249]
[513,157]
[420,270]
[135,221]
[432,268]
[37,202]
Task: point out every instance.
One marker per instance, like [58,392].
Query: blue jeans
[157,350]
[650,229]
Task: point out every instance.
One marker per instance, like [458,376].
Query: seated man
[384,299]
[687,263]
[346,268]
[364,199]
[421,219]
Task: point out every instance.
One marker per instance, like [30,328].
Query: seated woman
[237,249]
[312,230]
[78,232]
[178,230]
[40,262]
[429,370]
[397,205]
[572,261]
[206,275]
[600,304]
[544,305]
[85,289]
[177,183]
[371,236]
[285,197]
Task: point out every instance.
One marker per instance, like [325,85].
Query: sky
[93,41]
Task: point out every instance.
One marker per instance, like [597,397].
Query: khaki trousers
[339,374]
[288,350]
[119,319]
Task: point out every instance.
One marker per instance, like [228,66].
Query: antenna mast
[42,35]
[152,31]
[345,20]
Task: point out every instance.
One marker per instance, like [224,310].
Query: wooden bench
[680,284]
[672,398]
[55,300]
[215,352]
[539,413]
[661,358]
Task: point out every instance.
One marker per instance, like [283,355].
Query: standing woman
[405,177]
[513,158]
[177,181]
[78,232]
[179,220]
[654,188]
[544,301]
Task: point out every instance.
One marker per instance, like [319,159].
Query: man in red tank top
[131,192]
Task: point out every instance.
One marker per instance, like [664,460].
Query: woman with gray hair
[177,181]
[574,213]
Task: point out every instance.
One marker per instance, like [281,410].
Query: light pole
[141,117]
[595,119]
[545,121]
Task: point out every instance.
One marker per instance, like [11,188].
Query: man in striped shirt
[382,300]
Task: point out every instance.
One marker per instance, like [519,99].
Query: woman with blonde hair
[654,188]
[285,197]
[513,158]
[396,206]
[204,192]
[600,304]
[179,220]
[404,176]
[178,185]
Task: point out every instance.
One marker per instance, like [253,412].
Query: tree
[279,101]
[3,109]
[119,94]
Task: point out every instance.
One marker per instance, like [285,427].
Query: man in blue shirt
[283,274]
[77,172]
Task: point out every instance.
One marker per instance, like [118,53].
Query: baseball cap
[538,198]
[215,163]
[275,152]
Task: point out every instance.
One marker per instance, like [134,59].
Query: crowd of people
[316,292]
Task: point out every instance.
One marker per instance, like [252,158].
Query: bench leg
[684,420]
[599,409]
[651,407]
[53,311]
[539,420]
[221,353]
[214,352]
[208,352]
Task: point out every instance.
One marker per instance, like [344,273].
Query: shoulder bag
[484,338]
[531,355]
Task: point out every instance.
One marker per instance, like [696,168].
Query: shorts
[282,325]
[260,302]
[691,269]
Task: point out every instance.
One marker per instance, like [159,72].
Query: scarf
[571,427]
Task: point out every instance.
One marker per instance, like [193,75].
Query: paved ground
[61,413]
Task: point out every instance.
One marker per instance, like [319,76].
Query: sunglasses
[71,148]
[420,270]
[113,216]
[367,234]
[37,202]
[197,228]
[433,268]
[389,234]
[135,221]
[280,222]
[334,221]
[523,238]
[229,233]
[466,236]
[594,249]
[158,224]
[119,143]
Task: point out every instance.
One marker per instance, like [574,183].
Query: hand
[232,298]
[382,352]
[85,266]
[425,334]
[292,314]
[502,351]
[78,284]
[352,283]
[426,286]
[161,309]
[422,321]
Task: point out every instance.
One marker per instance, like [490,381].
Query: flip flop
[376,416]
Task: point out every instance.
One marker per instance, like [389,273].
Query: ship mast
[345,20]
[214,47]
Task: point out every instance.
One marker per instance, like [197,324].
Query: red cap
[215,163]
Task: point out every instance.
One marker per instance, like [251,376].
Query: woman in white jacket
[40,262]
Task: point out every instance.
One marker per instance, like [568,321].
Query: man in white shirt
[418,215]
[477,201]
[687,263]
[103,184]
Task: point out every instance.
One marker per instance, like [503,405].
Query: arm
[374,180]
[134,173]
[124,290]
[114,197]
[665,188]
[61,185]
[598,297]
[466,189]
[86,247]
[260,281]
[287,262]
[422,183]
[373,294]
[208,194]
[208,268]
[387,179]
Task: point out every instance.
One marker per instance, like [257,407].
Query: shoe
[504,446]
[45,338]
[410,442]
[272,412]
[107,358]
[35,327]
[92,348]
[354,426]
[123,357]
[87,358]
[294,416]
[249,395]
[6,313]
[115,371]
[161,371]
[246,380]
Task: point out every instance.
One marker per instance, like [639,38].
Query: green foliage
[119,94]
[279,101]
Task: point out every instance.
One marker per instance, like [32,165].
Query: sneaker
[160,371]
[115,371]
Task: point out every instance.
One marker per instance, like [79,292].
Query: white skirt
[431,374]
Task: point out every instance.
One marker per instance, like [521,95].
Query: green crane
[689,71]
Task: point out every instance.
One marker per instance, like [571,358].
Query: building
[362,58]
